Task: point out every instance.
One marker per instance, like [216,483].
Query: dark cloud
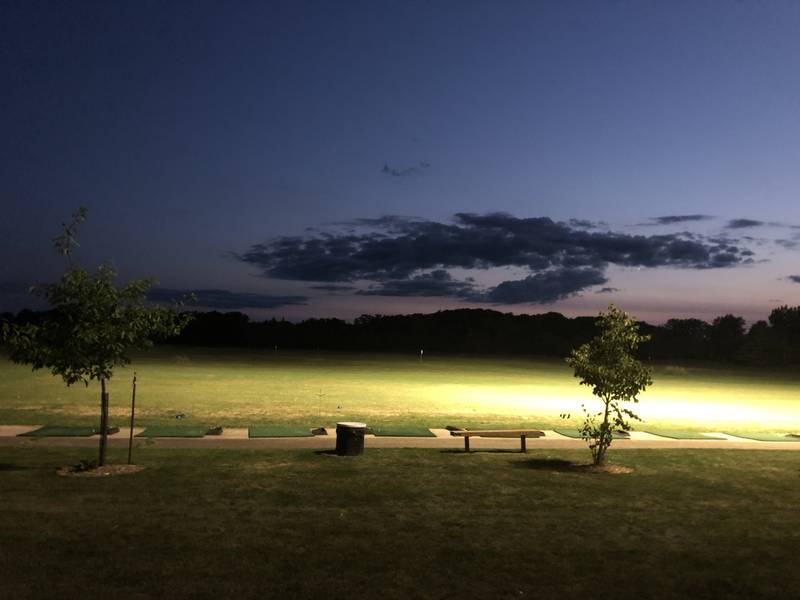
[388,223]
[400,255]
[672,219]
[436,283]
[788,244]
[794,278]
[546,287]
[743,223]
[405,172]
[607,290]
[225,299]
[585,224]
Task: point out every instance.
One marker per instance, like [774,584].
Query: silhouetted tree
[785,324]
[759,345]
[726,337]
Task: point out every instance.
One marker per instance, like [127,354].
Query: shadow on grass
[479,451]
[336,454]
[565,466]
[5,467]
[549,464]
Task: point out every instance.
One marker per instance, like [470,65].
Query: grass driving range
[305,389]
[397,523]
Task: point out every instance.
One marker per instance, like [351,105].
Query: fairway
[240,388]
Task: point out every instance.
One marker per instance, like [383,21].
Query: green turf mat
[681,434]
[764,436]
[574,433]
[174,431]
[55,431]
[278,431]
[401,431]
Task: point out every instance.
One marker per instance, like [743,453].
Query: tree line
[482,331]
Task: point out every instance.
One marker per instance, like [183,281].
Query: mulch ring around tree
[104,471]
[616,469]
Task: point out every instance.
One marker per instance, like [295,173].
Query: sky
[330,159]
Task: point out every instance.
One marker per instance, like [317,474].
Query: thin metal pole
[103,422]
[133,410]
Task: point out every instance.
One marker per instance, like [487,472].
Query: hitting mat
[174,431]
[681,434]
[56,431]
[575,434]
[765,436]
[390,431]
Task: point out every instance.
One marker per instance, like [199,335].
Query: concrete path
[236,438]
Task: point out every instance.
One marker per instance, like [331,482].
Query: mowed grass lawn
[401,523]
[306,389]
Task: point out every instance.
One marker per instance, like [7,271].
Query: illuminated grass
[238,388]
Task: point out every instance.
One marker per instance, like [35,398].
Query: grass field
[401,524]
[306,389]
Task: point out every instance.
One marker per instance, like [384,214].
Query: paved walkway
[237,438]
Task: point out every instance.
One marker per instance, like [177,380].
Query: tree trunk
[603,442]
[103,423]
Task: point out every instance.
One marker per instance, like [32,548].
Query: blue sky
[206,137]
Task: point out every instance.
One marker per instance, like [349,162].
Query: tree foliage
[93,325]
[608,365]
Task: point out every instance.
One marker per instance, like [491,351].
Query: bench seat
[523,434]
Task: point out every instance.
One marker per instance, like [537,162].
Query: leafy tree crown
[608,364]
[93,324]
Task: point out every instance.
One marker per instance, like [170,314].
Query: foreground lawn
[306,389]
[401,524]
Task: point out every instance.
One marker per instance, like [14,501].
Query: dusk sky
[328,159]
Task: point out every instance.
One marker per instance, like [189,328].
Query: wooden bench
[522,433]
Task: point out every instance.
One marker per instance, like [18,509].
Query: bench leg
[466,443]
[522,447]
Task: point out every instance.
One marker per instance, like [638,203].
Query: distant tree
[785,326]
[92,327]
[726,336]
[759,345]
[686,338]
[607,364]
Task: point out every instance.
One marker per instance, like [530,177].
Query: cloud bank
[743,223]
[673,219]
[410,257]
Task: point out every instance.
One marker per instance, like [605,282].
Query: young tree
[607,364]
[92,327]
